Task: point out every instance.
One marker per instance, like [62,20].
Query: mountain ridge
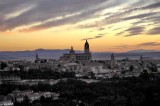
[56,53]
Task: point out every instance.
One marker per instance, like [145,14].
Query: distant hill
[56,53]
[141,51]
[51,50]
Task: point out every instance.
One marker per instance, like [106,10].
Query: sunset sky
[109,25]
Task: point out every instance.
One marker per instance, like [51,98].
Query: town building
[6,103]
[19,96]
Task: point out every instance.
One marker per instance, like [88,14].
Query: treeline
[133,91]
[126,92]
[38,74]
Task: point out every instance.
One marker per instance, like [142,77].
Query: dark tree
[131,68]
[3,65]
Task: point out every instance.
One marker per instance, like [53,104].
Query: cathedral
[72,56]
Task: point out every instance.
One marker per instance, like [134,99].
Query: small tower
[37,56]
[112,61]
[141,58]
[72,51]
[86,47]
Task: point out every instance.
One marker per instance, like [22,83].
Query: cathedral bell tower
[86,47]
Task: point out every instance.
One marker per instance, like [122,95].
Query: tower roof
[86,41]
